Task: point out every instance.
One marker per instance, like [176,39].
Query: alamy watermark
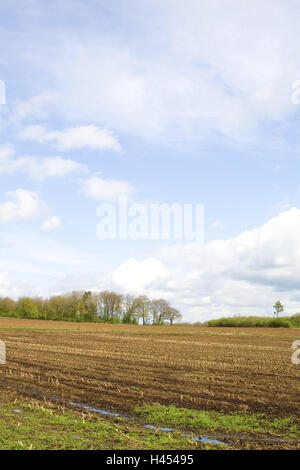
[296,353]
[2,353]
[150,221]
[2,92]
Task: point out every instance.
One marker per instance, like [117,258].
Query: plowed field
[118,367]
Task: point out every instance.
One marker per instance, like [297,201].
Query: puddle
[114,415]
[147,426]
[194,438]
[155,428]
[97,410]
[207,440]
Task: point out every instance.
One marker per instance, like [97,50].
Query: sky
[164,102]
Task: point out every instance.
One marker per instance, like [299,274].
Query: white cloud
[37,107]
[22,206]
[202,75]
[34,264]
[106,190]
[73,138]
[9,288]
[202,72]
[135,277]
[36,168]
[4,283]
[217,225]
[6,152]
[241,275]
[51,224]
[49,167]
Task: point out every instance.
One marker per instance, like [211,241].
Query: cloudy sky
[176,102]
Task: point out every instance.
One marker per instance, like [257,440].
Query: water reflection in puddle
[117,415]
[208,440]
[194,438]
[155,428]
[97,410]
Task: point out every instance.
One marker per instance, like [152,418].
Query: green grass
[28,427]
[198,420]
[37,426]
[257,322]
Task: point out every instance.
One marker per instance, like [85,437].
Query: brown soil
[119,367]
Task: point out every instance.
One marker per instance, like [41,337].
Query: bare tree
[172,314]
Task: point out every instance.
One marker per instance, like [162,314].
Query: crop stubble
[118,367]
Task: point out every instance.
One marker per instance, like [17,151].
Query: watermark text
[2,92]
[142,221]
[296,353]
[2,353]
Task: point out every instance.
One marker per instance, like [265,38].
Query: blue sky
[166,101]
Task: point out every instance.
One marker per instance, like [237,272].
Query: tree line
[87,306]
[256,322]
